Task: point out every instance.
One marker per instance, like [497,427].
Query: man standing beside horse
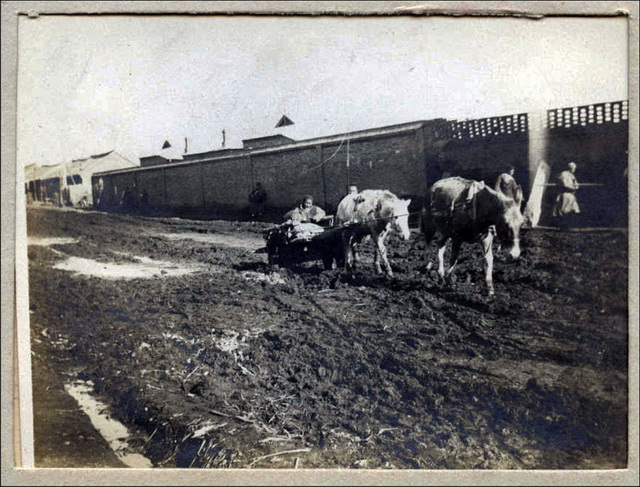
[351,199]
[566,202]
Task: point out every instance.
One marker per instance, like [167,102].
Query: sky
[91,84]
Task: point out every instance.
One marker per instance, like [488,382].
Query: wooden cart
[286,248]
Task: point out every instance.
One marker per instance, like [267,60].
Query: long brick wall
[404,159]
[392,160]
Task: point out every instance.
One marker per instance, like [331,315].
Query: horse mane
[498,202]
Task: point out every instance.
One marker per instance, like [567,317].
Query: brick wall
[152,182]
[288,175]
[482,149]
[487,159]
[184,186]
[596,138]
[392,162]
[226,182]
[403,159]
[399,161]
[114,187]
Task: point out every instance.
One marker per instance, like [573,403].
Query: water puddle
[218,239]
[111,430]
[47,242]
[142,268]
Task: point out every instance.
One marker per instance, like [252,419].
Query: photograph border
[16,373]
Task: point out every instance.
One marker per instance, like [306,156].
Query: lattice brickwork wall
[597,114]
[486,127]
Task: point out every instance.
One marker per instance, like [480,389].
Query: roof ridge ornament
[284,121]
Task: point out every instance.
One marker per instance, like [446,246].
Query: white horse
[373,212]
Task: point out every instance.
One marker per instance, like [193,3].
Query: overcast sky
[88,85]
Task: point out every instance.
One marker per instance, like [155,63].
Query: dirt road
[213,360]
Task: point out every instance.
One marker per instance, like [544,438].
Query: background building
[69,183]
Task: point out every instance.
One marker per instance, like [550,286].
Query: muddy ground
[235,365]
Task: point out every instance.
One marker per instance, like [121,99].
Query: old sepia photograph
[291,242]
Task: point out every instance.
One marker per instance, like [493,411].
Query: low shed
[69,183]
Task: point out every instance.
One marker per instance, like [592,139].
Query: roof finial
[284,121]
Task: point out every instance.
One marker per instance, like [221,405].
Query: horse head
[509,220]
[509,188]
[397,213]
[512,222]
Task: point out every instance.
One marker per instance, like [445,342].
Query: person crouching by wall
[257,199]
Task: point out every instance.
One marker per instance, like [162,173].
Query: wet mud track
[233,365]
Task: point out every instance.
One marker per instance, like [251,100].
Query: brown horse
[465,211]
[373,212]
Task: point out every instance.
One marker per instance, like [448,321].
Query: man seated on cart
[305,212]
[304,221]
